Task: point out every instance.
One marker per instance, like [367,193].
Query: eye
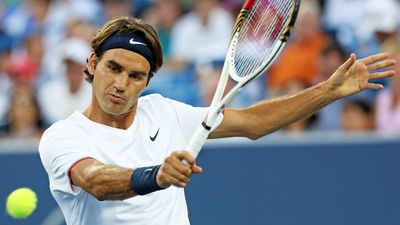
[114,68]
[137,76]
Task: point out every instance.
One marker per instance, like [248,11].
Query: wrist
[330,91]
[161,182]
[143,180]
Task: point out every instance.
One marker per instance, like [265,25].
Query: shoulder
[65,137]
[69,127]
[159,102]
[150,98]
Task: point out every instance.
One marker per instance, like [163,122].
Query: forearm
[107,182]
[270,115]
[104,182]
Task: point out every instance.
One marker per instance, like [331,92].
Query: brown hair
[133,25]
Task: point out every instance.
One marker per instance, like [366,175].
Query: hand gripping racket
[260,33]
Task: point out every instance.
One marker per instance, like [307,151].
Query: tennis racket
[260,33]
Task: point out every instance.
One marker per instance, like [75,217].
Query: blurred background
[43,49]
[45,44]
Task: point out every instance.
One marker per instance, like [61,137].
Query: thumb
[349,62]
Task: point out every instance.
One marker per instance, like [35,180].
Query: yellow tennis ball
[21,203]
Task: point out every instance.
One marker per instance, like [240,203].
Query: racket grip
[197,141]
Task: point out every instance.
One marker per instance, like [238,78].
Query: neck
[123,121]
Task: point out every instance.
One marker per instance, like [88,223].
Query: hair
[363,105]
[128,24]
[334,46]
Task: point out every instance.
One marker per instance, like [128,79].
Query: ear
[149,78]
[91,63]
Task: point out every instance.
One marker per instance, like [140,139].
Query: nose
[120,83]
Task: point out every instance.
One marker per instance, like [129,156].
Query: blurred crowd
[44,45]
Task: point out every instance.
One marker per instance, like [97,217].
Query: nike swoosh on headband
[133,42]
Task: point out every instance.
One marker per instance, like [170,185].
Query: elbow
[95,191]
[98,194]
[254,137]
[256,134]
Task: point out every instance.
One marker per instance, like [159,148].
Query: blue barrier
[300,182]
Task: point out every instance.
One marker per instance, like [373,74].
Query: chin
[117,112]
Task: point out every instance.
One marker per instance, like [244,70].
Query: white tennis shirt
[169,123]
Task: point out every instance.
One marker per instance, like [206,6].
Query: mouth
[116,99]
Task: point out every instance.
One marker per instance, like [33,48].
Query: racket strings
[262,42]
[260,31]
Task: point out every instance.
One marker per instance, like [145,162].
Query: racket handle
[197,141]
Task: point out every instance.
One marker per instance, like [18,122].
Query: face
[24,110]
[329,62]
[120,76]
[307,25]
[74,75]
[354,119]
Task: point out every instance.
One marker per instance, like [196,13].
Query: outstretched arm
[268,116]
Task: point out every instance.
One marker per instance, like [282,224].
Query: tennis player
[120,161]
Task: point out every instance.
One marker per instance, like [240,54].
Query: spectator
[382,20]
[72,89]
[357,116]
[163,15]
[32,16]
[24,117]
[299,60]
[76,27]
[5,84]
[200,38]
[173,80]
[388,103]
[343,18]
[328,118]
[117,8]
[202,35]
[305,124]
[26,62]
[80,28]
[344,14]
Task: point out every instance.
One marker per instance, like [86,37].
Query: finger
[374,58]
[197,169]
[187,156]
[176,163]
[177,174]
[349,62]
[174,181]
[380,75]
[381,64]
[373,86]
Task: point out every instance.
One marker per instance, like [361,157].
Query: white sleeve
[189,117]
[60,150]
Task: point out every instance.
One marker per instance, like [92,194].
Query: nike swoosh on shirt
[155,136]
[133,42]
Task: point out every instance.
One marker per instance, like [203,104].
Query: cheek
[138,87]
[101,81]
